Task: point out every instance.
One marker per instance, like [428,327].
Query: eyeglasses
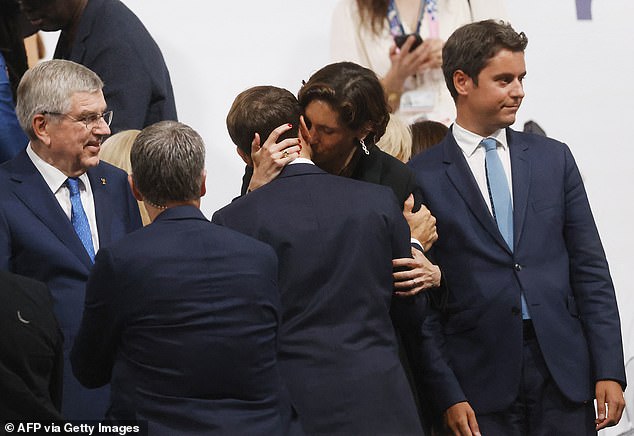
[90,120]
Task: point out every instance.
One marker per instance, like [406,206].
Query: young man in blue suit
[182,316]
[335,239]
[530,327]
[59,204]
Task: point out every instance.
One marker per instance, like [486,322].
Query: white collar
[53,177]
[469,141]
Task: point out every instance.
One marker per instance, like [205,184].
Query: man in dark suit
[105,36]
[59,204]
[335,239]
[531,328]
[30,351]
[182,316]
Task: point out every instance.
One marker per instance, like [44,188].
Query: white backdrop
[577,89]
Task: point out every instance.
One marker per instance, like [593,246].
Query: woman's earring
[365,149]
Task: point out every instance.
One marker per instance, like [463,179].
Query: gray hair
[168,160]
[49,86]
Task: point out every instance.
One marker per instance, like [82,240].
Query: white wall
[214,50]
[578,89]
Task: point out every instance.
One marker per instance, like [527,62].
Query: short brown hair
[471,46]
[261,110]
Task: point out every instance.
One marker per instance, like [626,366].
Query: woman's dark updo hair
[354,92]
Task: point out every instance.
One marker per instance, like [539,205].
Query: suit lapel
[521,171]
[32,190]
[462,178]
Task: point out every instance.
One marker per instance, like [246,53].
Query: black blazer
[31,358]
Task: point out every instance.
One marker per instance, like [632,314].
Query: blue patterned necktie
[500,194]
[78,217]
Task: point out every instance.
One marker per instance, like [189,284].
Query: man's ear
[304,132]
[203,184]
[40,126]
[246,157]
[135,191]
[462,82]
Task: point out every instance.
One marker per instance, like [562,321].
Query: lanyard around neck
[429,7]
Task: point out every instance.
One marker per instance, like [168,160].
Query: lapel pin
[22,320]
[103,180]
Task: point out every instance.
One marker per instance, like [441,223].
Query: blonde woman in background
[397,139]
[116,151]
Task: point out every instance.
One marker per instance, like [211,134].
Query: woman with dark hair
[344,114]
[364,31]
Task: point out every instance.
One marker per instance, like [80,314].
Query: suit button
[517,267]
[515,310]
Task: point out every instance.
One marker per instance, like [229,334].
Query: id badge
[418,100]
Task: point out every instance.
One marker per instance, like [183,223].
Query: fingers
[404,262]
[275,134]
[461,420]
[408,206]
[473,424]
[600,408]
[609,392]
[288,148]
[419,274]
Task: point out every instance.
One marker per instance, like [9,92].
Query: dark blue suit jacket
[182,316]
[37,240]
[335,239]
[31,358]
[558,262]
[113,42]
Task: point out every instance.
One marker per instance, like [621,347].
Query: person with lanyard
[365,31]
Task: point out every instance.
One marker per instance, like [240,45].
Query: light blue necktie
[78,217]
[501,203]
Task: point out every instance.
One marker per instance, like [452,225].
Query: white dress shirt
[474,153]
[56,181]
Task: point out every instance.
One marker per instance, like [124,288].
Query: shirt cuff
[416,244]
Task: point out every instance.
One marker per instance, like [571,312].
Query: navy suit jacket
[335,239]
[37,240]
[113,43]
[31,359]
[182,316]
[557,262]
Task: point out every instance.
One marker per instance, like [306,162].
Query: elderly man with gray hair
[59,204]
[182,316]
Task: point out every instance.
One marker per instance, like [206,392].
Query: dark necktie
[78,217]
[500,194]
